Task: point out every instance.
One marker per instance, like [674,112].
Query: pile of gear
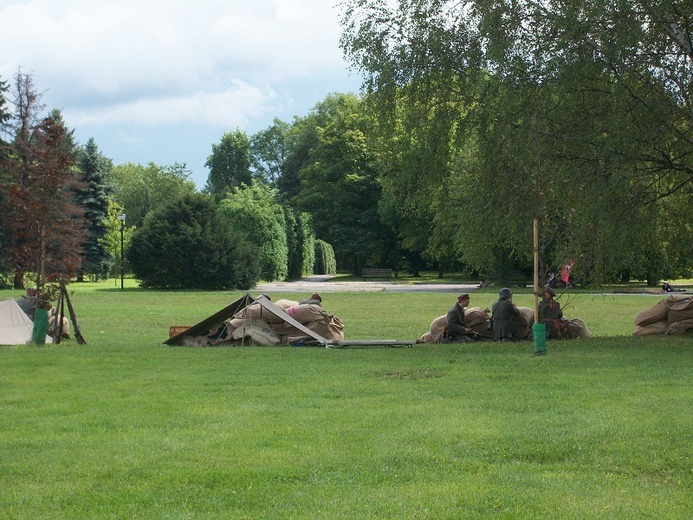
[255,325]
[673,315]
[503,322]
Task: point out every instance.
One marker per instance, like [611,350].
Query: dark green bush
[254,212]
[301,242]
[188,245]
[325,262]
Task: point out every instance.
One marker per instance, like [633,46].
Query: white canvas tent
[15,326]
[206,325]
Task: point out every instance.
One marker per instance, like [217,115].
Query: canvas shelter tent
[279,317]
[208,324]
[15,326]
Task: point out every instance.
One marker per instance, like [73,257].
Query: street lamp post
[122,245]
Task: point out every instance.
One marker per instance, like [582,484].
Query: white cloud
[138,74]
[109,49]
[232,107]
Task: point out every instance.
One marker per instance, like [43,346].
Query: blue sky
[162,80]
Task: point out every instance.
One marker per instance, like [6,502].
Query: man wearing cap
[550,312]
[456,329]
[315,299]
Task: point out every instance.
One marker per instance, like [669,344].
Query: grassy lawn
[125,427]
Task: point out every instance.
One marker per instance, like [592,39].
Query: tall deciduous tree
[340,188]
[94,199]
[301,138]
[325,262]
[229,164]
[5,115]
[140,189]
[300,240]
[574,109]
[269,151]
[46,227]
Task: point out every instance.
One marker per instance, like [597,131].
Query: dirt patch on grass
[414,373]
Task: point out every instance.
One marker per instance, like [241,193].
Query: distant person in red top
[565,272]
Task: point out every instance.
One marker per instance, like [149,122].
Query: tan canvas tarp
[259,320]
[673,315]
[652,314]
[577,329]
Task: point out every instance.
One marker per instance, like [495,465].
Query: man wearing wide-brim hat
[549,311]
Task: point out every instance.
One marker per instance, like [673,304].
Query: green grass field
[125,427]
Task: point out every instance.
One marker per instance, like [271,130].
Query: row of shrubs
[195,243]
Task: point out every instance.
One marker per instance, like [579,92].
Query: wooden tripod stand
[63,297]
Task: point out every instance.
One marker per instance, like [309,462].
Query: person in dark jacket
[502,313]
[27,303]
[456,328]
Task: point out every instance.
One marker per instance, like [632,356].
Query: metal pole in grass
[538,329]
[122,243]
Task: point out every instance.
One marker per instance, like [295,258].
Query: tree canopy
[576,113]
[340,186]
[229,163]
[476,118]
[140,189]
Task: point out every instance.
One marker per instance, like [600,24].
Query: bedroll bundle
[673,315]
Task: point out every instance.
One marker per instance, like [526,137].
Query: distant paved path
[321,283]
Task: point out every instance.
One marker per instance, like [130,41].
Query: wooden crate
[177,329]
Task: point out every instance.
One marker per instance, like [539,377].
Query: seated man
[502,314]
[456,329]
[551,314]
[27,303]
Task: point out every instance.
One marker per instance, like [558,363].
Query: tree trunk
[18,282]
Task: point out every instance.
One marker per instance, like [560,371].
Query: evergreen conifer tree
[94,198]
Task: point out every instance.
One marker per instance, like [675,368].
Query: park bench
[371,272]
